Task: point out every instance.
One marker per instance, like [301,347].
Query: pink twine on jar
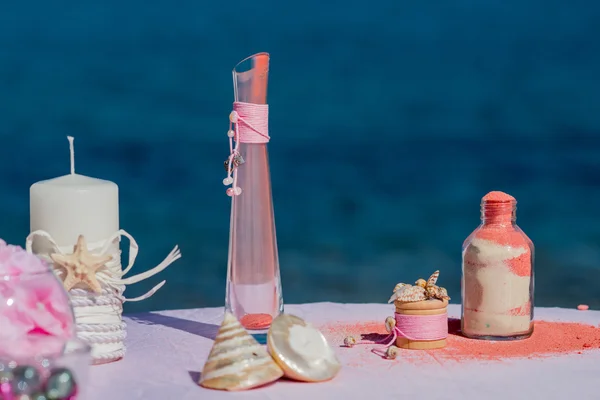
[248,123]
[413,327]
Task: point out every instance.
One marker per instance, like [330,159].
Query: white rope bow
[113,275]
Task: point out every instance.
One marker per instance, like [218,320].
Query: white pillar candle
[68,206]
[73,205]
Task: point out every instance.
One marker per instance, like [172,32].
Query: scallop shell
[237,361]
[396,290]
[301,350]
[411,293]
[400,285]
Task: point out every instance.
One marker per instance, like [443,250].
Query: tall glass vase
[253,281]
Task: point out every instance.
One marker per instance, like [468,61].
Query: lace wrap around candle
[253,292]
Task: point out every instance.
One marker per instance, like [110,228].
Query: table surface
[166,351]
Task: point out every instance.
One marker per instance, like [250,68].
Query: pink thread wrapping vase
[253,292]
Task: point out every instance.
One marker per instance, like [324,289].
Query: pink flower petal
[33,302]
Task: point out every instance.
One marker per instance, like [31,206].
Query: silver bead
[236,162]
[60,384]
[6,374]
[26,380]
[35,396]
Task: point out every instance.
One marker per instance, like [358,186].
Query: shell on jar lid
[301,350]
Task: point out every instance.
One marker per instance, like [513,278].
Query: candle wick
[72,151]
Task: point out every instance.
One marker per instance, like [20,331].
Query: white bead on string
[235,159]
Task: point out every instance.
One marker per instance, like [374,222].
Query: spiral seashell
[301,350]
[349,341]
[390,324]
[237,361]
[391,352]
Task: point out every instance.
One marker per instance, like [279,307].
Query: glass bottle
[253,292]
[497,274]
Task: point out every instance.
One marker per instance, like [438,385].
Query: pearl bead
[233,117]
[228,181]
[229,192]
[231,133]
[237,191]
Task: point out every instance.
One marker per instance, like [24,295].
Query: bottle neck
[498,213]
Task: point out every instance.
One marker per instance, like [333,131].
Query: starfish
[81,266]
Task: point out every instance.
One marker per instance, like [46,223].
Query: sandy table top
[166,351]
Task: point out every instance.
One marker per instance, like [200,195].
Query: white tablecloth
[167,350]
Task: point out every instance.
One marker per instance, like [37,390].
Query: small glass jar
[497,274]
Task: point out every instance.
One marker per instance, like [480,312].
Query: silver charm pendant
[237,161]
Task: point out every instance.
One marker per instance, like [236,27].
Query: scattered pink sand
[583,307]
[548,339]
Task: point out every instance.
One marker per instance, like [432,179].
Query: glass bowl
[52,368]
[33,300]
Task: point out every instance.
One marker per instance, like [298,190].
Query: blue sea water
[389,121]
